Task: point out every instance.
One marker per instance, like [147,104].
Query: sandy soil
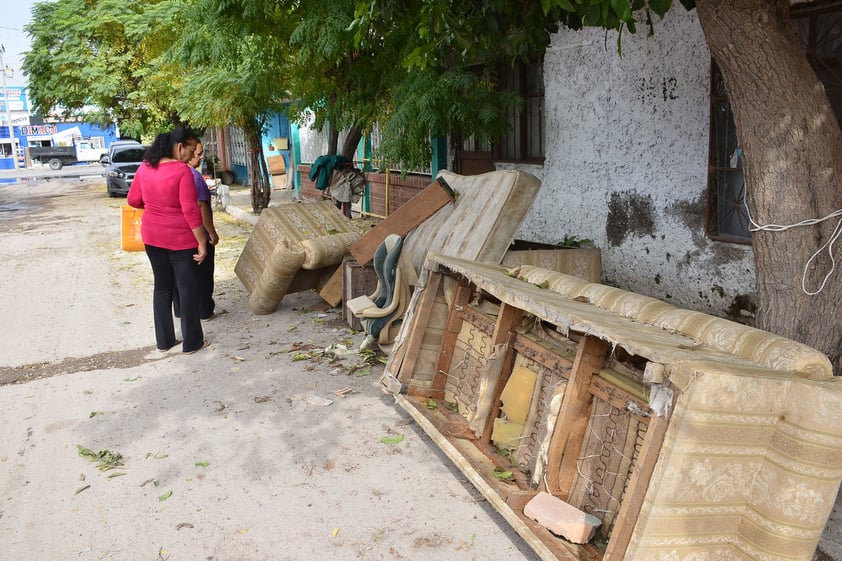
[243,451]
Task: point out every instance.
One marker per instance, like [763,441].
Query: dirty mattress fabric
[287,241]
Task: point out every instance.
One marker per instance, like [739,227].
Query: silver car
[121,167]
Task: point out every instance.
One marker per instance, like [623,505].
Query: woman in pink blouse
[171,228]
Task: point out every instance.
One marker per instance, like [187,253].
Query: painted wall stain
[691,213]
[743,309]
[724,253]
[629,212]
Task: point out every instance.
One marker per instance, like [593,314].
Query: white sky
[14,14]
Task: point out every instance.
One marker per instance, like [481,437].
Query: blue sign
[16,98]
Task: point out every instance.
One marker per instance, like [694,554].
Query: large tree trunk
[349,145]
[258,173]
[332,139]
[793,161]
[352,141]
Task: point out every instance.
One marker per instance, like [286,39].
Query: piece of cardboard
[423,205]
[277,165]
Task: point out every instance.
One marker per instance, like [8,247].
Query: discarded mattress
[481,223]
[688,436]
[293,247]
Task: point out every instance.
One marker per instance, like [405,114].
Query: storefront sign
[30,130]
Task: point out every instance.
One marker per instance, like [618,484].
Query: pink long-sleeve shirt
[168,196]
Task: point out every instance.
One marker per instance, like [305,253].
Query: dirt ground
[263,446]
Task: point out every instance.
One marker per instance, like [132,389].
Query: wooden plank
[451,331]
[420,316]
[518,499]
[507,321]
[503,463]
[572,423]
[618,397]
[396,357]
[557,551]
[639,480]
[418,209]
[331,292]
[479,320]
[546,353]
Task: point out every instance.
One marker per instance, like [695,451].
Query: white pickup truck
[58,156]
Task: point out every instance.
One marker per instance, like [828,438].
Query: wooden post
[572,424]
[419,315]
[507,321]
[451,333]
[638,485]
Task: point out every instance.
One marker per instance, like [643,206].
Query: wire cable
[837,232]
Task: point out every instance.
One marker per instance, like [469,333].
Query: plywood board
[423,205]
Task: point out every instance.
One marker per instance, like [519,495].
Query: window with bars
[239,147]
[819,28]
[525,140]
[727,215]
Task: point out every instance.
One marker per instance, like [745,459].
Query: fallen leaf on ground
[105,459]
[390,440]
[181,525]
[165,496]
[80,489]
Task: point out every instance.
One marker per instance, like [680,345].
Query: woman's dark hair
[165,142]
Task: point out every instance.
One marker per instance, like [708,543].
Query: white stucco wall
[626,163]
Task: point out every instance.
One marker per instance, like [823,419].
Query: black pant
[175,270]
[206,303]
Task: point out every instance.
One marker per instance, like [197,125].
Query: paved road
[40,173]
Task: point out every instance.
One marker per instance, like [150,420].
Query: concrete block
[561,518]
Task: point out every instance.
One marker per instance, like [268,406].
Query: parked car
[122,142]
[121,166]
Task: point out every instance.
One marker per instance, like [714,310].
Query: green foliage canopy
[416,69]
[92,58]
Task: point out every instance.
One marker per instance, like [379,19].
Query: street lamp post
[8,114]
